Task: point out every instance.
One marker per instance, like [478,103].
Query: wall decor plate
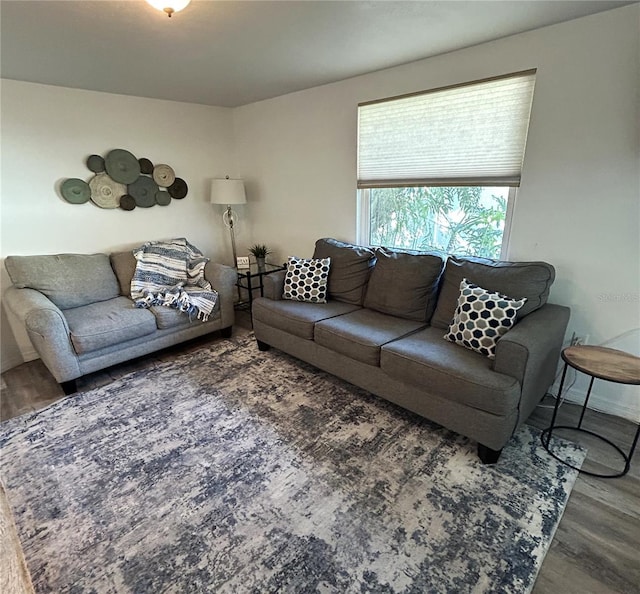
[178,189]
[163,198]
[106,192]
[146,166]
[127,202]
[144,191]
[95,163]
[164,175]
[76,191]
[122,166]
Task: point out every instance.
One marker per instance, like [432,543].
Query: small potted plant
[259,252]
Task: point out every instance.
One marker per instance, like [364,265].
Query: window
[439,169]
[463,220]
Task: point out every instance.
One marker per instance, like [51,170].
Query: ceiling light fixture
[169,6]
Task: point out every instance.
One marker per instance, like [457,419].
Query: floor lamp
[227,192]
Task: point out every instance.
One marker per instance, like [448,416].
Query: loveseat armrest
[47,329]
[274,285]
[223,279]
[529,352]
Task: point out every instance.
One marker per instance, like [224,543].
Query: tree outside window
[459,220]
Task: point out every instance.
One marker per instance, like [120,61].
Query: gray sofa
[78,313]
[382,329]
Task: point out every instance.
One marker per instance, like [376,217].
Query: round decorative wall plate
[122,166]
[163,198]
[95,163]
[144,191]
[163,175]
[146,166]
[178,189]
[105,192]
[127,202]
[76,191]
[121,180]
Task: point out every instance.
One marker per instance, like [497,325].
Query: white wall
[47,134]
[579,203]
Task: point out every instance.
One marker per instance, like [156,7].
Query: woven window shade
[472,134]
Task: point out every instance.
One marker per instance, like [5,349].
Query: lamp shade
[227,191]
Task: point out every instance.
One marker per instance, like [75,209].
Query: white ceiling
[233,52]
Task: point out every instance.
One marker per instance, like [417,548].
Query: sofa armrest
[223,279]
[47,329]
[529,352]
[274,285]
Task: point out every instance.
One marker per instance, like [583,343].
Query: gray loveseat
[382,329]
[78,313]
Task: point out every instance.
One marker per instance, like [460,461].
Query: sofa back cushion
[69,280]
[404,283]
[124,265]
[532,280]
[350,268]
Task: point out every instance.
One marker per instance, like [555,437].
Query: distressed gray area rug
[232,470]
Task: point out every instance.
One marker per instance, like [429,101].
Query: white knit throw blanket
[171,273]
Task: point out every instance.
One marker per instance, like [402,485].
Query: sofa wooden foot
[263,346]
[487,455]
[69,387]
[226,332]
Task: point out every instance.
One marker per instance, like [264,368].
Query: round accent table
[602,363]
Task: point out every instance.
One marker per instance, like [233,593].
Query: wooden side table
[602,363]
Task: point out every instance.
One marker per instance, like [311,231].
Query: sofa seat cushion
[451,371]
[69,280]
[297,317]
[107,323]
[360,334]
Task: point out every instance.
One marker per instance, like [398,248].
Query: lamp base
[228,218]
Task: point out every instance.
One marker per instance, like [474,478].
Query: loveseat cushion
[168,317]
[450,371]
[297,317]
[404,283]
[124,266]
[107,323]
[532,280]
[360,334]
[350,267]
[69,280]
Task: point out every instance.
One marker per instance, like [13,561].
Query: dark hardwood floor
[596,549]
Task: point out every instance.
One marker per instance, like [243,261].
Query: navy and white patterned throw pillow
[306,280]
[481,318]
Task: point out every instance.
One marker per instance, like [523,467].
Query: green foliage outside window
[456,220]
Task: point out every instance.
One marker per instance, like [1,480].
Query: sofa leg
[226,332]
[263,346]
[69,387]
[487,455]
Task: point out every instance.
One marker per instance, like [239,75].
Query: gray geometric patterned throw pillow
[481,318]
[306,280]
